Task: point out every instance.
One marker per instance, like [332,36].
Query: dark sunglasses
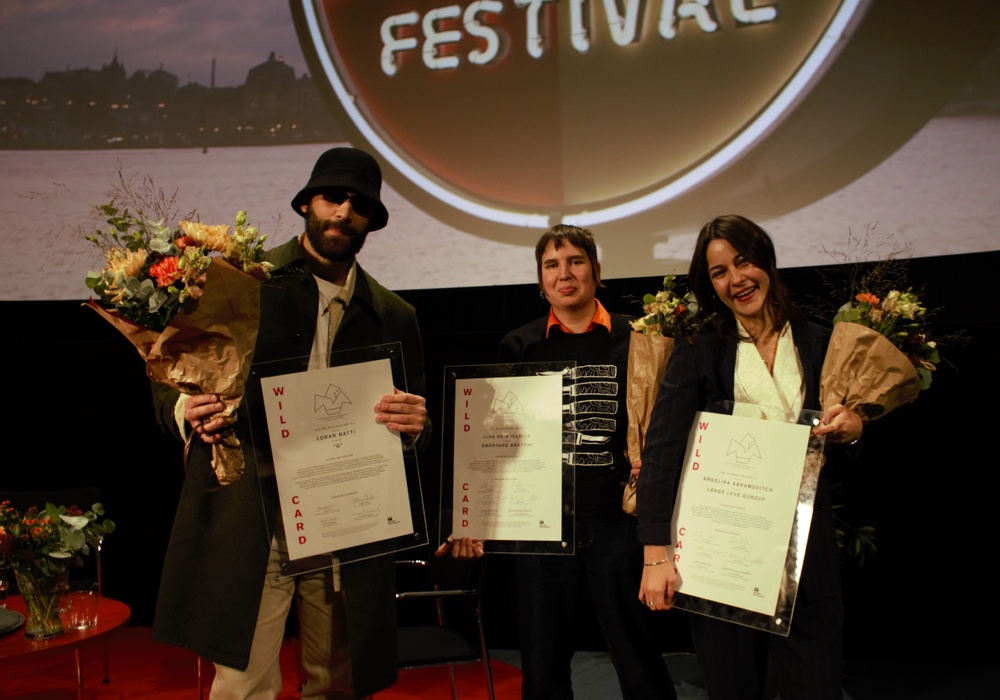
[361,204]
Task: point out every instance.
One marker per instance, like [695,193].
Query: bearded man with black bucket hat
[220,594]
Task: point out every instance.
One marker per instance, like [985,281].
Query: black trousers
[806,664]
[607,565]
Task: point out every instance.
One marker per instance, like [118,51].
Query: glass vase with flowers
[41,545]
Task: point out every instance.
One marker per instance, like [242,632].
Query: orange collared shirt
[601,318]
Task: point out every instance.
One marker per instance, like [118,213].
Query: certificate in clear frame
[345,487]
[507,454]
[743,513]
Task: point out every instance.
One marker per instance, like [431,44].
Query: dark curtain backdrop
[79,415]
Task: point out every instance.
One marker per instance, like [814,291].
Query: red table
[111,615]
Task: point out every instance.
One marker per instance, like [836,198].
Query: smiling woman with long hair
[756,351]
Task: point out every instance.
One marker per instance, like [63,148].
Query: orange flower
[867,297]
[165,272]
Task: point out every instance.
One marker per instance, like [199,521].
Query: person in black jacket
[221,595]
[607,558]
[754,350]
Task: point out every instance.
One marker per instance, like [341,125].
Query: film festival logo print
[333,404]
[507,408]
[745,450]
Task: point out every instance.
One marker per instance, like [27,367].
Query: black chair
[449,629]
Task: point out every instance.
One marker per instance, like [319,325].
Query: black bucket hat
[350,169]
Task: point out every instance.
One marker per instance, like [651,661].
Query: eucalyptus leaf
[130,284]
[925,378]
[159,245]
[156,300]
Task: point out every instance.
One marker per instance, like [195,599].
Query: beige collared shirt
[319,355]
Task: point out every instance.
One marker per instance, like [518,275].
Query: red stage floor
[143,668]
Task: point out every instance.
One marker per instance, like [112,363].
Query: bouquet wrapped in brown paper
[648,352]
[192,317]
[879,357]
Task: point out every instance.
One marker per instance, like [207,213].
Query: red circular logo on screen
[504,114]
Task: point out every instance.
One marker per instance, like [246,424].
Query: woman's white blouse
[762,394]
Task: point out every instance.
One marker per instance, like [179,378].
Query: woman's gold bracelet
[655,563]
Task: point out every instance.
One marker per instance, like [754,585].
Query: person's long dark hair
[753,243]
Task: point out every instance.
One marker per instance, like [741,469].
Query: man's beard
[337,248]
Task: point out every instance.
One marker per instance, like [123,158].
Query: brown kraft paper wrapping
[647,361]
[206,350]
[866,372]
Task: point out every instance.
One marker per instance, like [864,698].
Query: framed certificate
[506,453]
[742,517]
[345,484]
